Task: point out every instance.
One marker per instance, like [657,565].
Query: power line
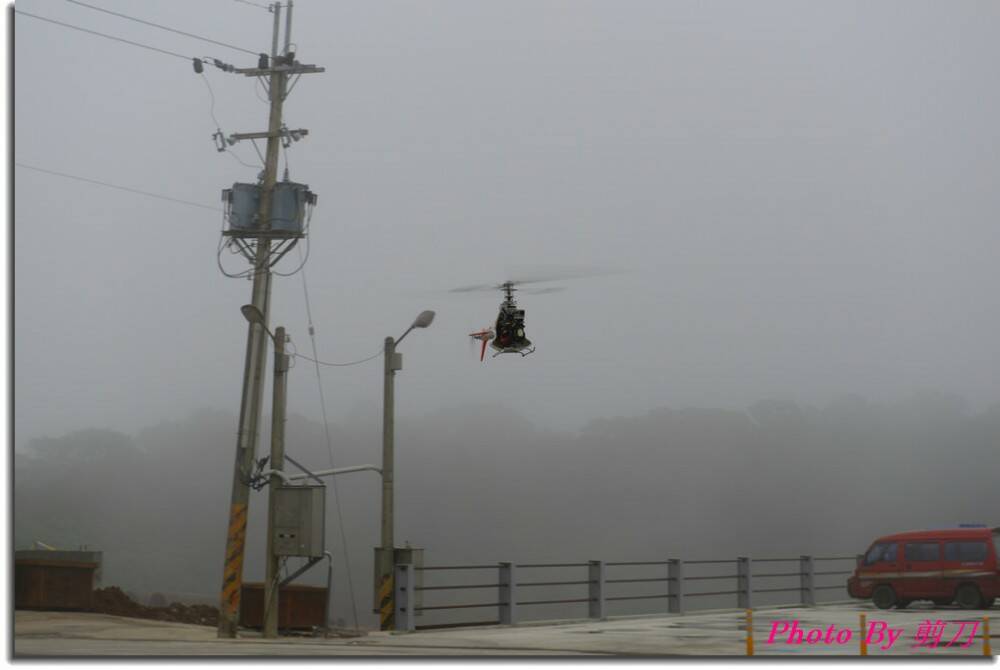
[341,365]
[211,107]
[120,188]
[329,446]
[255,148]
[110,37]
[254,4]
[162,27]
[218,128]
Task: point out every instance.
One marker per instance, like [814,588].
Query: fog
[800,200]
[480,484]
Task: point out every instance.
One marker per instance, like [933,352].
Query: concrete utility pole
[277,462]
[393,362]
[246,446]
[386,564]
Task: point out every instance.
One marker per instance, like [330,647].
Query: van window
[970,552]
[922,551]
[884,552]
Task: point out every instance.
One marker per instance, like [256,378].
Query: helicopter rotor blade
[475,287]
[543,291]
[535,276]
[482,352]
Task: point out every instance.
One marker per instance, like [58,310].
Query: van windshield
[882,552]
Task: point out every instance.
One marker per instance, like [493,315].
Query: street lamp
[424,319]
[253,314]
[386,559]
[277,462]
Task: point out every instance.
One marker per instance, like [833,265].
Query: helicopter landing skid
[523,352]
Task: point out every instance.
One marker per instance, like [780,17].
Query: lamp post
[277,463]
[386,559]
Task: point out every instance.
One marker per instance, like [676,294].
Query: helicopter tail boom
[483,336]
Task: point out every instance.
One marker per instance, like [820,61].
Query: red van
[960,565]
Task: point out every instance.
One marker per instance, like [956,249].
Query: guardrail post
[508,594]
[744,583]
[807,572]
[405,597]
[675,587]
[597,602]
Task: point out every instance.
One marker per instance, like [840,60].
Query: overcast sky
[803,197]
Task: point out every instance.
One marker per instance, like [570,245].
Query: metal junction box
[288,207]
[299,520]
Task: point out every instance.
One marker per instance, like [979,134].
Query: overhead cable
[254,4]
[162,27]
[329,446]
[341,365]
[110,37]
[120,188]
[222,144]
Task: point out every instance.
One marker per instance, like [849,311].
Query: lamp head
[252,314]
[424,319]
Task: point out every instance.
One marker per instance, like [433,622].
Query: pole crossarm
[298,68]
[332,472]
[237,137]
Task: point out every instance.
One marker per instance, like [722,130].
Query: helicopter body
[507,335]
[509,330]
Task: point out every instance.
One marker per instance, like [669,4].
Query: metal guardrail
[600,590]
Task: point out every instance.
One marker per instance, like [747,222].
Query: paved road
[701,634]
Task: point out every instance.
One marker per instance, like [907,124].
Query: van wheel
[884,597]
[968,597]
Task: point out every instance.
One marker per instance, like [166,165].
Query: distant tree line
[481,483]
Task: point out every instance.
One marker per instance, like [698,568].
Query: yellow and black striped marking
[233,572]
[386,604]
[749,632]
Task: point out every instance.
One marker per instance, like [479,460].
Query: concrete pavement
[720,633]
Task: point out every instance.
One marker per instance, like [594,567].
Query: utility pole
[277,71]
[386,554]
[271,587]
[385,603]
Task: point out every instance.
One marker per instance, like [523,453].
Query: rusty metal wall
[299,607]
[72,555]
[53,585]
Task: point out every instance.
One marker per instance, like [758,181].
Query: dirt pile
[112,600]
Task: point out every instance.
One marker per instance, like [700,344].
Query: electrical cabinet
[299,521]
